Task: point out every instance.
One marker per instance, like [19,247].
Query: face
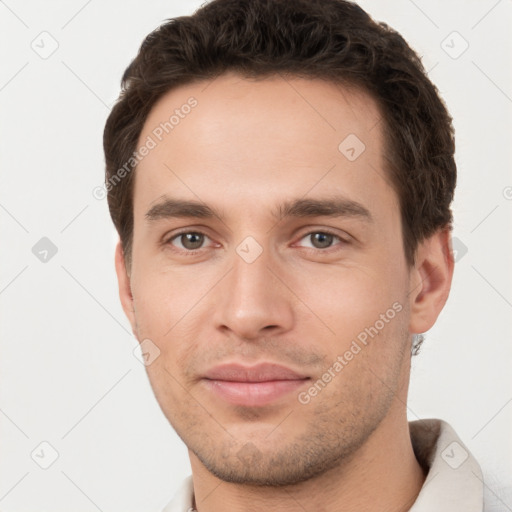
[268,270]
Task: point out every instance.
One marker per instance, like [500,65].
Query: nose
[252,301]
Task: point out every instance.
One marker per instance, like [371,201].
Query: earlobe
[125,292]
[431,280]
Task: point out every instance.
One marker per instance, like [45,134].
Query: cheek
[346,301]
[167,305]
[163,297]
[152,299]
[163,311]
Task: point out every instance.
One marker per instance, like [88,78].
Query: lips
[259,373]
[252,385]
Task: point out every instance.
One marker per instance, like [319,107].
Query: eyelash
[195,251]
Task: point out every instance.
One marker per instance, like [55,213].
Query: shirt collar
[454,481]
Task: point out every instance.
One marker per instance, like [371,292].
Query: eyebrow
[328,207]
[169,208]
[299,208]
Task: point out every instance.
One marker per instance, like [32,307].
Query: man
[280,174]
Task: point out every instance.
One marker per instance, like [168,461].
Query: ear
[125,292]
[431,279]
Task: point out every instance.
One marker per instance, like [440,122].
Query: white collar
[454,481]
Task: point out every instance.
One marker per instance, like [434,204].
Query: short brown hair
[331,40]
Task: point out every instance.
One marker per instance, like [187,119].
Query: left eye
[189,241]
[321,239]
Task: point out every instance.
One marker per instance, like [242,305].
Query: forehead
[243,138]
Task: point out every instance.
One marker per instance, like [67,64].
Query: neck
[383,475]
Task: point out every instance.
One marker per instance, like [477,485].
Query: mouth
[252,386]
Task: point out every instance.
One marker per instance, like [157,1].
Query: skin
[247,147]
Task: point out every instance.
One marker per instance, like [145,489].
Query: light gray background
[68,373]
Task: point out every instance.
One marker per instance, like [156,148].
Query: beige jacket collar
[454,482]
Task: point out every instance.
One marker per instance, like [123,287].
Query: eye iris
[322,240]
[195,240]
[192,240]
